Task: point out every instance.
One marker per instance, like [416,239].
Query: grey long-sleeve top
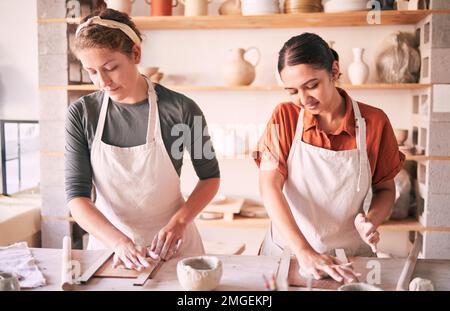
[126,126]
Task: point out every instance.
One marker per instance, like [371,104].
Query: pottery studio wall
[197,57]
[18,61]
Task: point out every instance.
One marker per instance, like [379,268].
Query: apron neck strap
[152,111]
[102,116]
[360,128]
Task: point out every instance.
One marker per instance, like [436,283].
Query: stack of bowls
[260,7]
[302,6]
[331,6]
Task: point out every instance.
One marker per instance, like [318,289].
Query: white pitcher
[195,7]
[120,5]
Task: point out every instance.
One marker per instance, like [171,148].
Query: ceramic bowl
[344,5]
[401,135]
[260,7]
[359,287]
[201,273]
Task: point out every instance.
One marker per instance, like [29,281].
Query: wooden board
[223,248]
[230,205]
[107,270]
[390,270]
[227,208]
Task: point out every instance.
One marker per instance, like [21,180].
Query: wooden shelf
[410,225]
[271,21]
[426,158]
[391,225]
[262,88]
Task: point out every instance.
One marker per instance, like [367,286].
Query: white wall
[18,60]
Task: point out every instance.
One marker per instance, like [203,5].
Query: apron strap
[153,124]
[360,127]
[299,130]
[102,117]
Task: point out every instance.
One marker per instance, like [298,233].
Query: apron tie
[358,138]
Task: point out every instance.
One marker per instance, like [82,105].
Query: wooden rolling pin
[66,266]
[410,264]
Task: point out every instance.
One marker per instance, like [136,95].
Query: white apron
[325,190]
[138,189]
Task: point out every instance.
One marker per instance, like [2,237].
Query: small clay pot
[202,273]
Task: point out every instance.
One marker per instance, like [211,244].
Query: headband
[110,24]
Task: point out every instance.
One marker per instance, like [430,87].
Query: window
[19,155]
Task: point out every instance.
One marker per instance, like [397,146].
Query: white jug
[195,7]
[120,5]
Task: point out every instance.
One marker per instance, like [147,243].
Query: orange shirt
[384,156]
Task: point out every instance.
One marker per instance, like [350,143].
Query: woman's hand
[127,254]
[320,265]
[166,243]
[368,231]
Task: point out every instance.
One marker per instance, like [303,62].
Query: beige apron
[138,189]
[325,190]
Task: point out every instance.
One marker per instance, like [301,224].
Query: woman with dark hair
[318,159]
[128,140]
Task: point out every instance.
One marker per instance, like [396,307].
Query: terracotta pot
[161,7]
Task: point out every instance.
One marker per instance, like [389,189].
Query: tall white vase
[358,71]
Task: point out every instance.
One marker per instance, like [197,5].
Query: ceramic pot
[120,5]
[195,7]
[161,7]
[202,273]
[230,7]
[358,71]
[237,70]
[401,135]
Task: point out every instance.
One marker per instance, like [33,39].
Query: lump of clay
[419,284]
[200,273]
[398,59]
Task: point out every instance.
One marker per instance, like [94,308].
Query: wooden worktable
[240,273]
